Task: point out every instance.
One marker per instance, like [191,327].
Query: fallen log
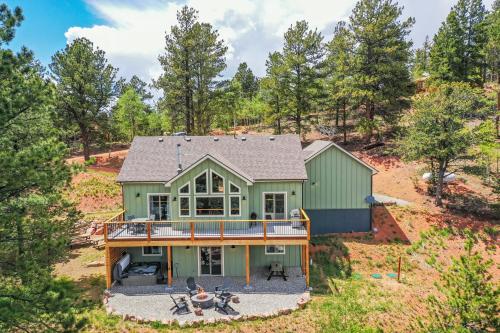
[373,145]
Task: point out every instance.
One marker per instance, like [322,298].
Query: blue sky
[131,32]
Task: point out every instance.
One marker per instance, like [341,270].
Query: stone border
[304,299]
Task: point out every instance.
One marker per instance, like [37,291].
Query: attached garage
[338,191]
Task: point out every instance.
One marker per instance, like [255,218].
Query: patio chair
[192,286]
[221,292]
[223,305]
[180,305]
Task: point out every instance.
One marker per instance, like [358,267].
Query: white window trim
[189,189]
[189,204]
[239,188]
[155,254]
[274,254]
[208,182]
[264,203]
[222,261]
[210,196]
[169,203]
[239,205]
[223,183]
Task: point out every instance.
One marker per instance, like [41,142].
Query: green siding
[256,195]
[138,205]
[234,261]
[336,181]
[291,258]
[136,254]
[185,261]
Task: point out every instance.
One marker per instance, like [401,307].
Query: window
[217,183]
[275,249]
[233,189]
[184,206]
[234,205]
[158,207]
[184,189]
[200,183]
[151,251]
[274,206]
[209,206]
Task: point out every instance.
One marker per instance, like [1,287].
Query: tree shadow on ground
[460,200]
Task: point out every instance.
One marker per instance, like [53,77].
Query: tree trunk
[86,143]
[344,123]
[439,184]
[298,122]
[337,117]
[370,109]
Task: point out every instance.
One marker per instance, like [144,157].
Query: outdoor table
[204,303]
[276,269]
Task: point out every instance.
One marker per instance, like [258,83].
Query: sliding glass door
[210,260]
[274,206]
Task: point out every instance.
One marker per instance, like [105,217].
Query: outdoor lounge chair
[180,305]
[192,287]
[223,305]
[221,292]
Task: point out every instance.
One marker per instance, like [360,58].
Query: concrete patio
[266,298]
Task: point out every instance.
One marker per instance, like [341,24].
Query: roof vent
[216,139]
[160,139]
[271,138]
[188,139]
[243,138]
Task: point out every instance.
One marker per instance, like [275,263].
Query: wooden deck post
[264,225]
[148,228]
[169,265]
[108,267]
[192,231]
[247,263]
[303,259]
[307,264]
[105,232]
[221,227]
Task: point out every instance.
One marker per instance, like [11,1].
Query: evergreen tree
[249,83]
[130,114]
[303,54]
[437,133]
[139,86]
[273,88]
[470,301]
[86,85]
[493,41]
[457,53]
[381,56]
[194,57]
[339,64]
[421,63]
[35,221]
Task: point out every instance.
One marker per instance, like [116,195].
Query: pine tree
[380,75]
[249,83]
[86,86]
[457,53]
[421,64]
[492,47]
[194,56]
[273,88]
[35,221]
[339,64]
[303,53]
[130,114]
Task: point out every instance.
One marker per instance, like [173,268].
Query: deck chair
[223,305]
[221,292]
[180,305]
[192,286]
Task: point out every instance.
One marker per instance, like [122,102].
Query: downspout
[371,204]
[123,203]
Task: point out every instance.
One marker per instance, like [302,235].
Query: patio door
[274,206]
[210,260]
[158,207]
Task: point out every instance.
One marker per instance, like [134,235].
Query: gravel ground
[381,198]
[154,303]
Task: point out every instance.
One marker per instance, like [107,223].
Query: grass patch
[98,184]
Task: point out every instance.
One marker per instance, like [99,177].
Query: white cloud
[133,31]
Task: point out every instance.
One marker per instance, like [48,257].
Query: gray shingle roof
[256,158]
[315,147]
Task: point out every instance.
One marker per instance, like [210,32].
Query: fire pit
[203,300]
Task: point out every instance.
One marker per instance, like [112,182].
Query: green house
[231,206]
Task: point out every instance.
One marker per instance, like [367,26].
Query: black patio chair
[192,286]
[221,292]
[180,305]
[223,305]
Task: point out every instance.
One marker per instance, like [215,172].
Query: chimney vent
[243,138]
[188,139]
[271,138]
[179,164]
[216,139]
[160,139]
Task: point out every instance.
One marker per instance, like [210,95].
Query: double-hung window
[234,200]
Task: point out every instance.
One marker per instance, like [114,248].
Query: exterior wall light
[138,194]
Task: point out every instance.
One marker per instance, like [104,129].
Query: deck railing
[116,229]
